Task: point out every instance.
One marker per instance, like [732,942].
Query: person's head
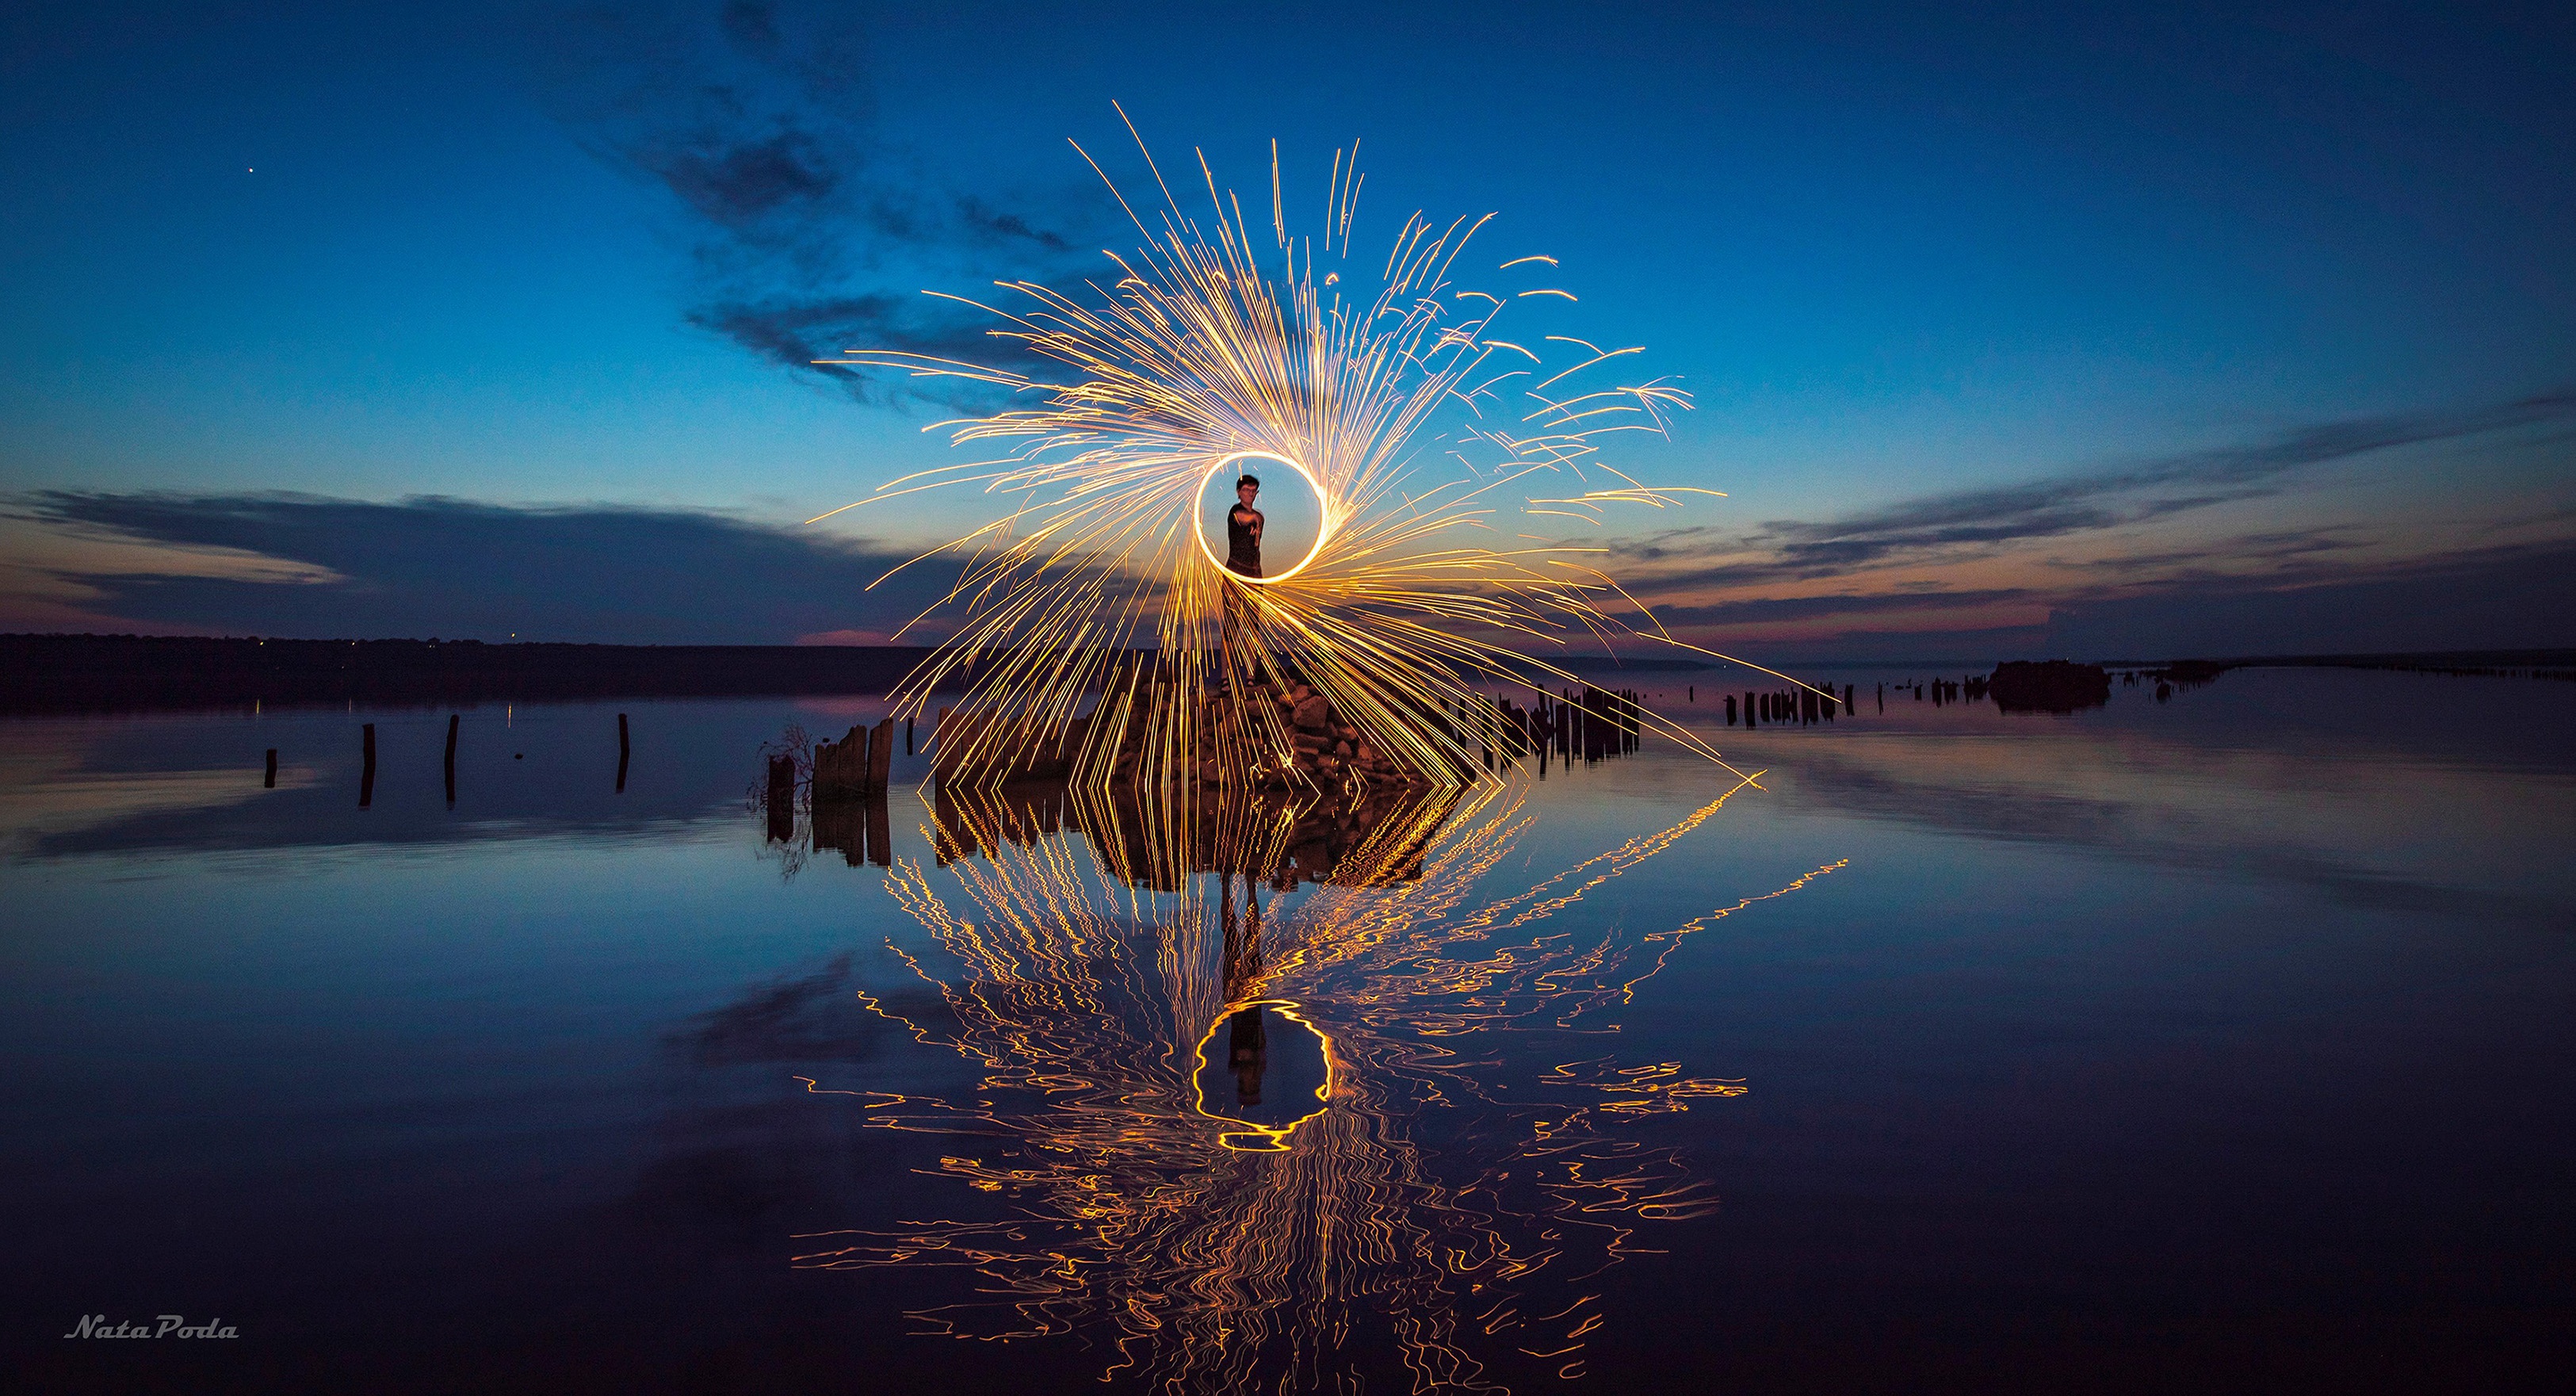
[1247,487]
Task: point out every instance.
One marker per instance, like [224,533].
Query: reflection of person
[1248,1053]
[1243,530]
[1248,1037]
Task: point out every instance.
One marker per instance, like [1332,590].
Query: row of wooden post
[1803,706]
[367,761]
[857,765]
[850,780]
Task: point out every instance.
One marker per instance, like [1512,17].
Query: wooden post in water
[841,768]
[622,751]
[271,783]
[452,720]
[881,755]
[367,771]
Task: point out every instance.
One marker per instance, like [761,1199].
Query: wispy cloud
[1841,603]
[1967,522]
[2139,558]
[810,232]
[2513,596]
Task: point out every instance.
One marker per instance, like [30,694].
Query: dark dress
[1242,545]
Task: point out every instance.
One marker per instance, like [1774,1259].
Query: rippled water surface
[2223,1043]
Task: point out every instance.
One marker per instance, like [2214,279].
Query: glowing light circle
[1323,512]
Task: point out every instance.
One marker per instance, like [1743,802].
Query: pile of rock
[1323,749]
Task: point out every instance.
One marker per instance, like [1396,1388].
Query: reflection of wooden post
[839,827]
[947,832]
[272,769]
[880,840]
[881,756]
[367,772]
[452,720]
[782,798]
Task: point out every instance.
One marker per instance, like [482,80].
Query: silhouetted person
[1243,530]
[1243,525]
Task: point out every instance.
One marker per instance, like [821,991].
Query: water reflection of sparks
[1250,1135]
[1214,1253]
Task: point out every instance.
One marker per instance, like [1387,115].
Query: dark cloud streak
[1780,608]
[810,231]
[460,569]
[2082,503]
[1941,525]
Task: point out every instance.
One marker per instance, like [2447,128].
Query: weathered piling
[623,751]
[881,756]
[841,768]
[271,782]
[367,770]
[782,798]
[453,719]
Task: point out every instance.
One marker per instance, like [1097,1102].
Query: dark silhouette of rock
[2190,673]
[2049,686]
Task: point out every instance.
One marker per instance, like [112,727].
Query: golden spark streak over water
[1084,991]
[1210,343]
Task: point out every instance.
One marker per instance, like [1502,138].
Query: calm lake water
[2218,1044]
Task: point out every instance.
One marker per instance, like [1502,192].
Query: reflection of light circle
[1323,516]
[1253,1138]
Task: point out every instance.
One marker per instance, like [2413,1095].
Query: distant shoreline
[68,674]
[42,674]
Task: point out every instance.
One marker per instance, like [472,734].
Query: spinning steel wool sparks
[1213,347]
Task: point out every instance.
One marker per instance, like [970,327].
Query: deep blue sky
[2122,319]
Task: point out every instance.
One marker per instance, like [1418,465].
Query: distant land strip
[2536,664]
[61,674]
[141,673]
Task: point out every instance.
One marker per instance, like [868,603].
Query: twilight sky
[2031,332]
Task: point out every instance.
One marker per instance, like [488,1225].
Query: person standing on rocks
[1243,559]
[1243,530]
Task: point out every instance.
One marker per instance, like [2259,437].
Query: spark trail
[1387,384]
